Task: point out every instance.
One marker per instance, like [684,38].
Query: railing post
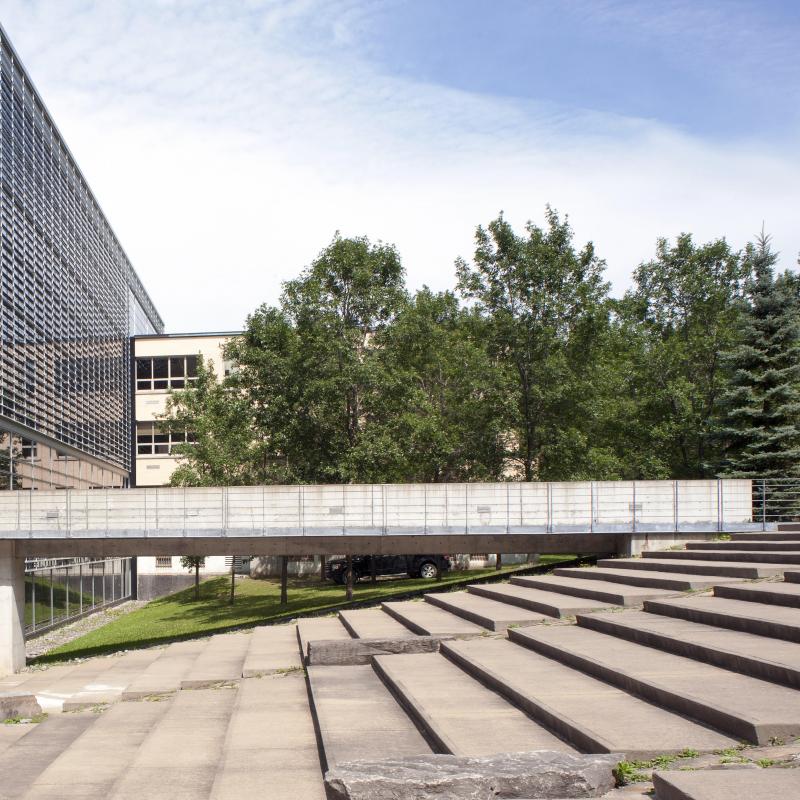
[675,504]
[633,509]
[425,508]
[33,598]
[763,504]
[592,500]
[508,507]
[67,508]
[344,509]
[720,512]
[80,587]
[549,520]
[466,508]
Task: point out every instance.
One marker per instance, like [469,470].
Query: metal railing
[58,593]
[509,507]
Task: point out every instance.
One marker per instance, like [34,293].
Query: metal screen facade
[69,301]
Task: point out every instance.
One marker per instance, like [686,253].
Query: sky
[227,141]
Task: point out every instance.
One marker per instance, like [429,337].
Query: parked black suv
[413,566]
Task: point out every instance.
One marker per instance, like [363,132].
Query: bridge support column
[12,610]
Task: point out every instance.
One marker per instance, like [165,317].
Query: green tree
[194,563]
[760,422]
[544,303]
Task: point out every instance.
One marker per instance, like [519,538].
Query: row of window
[152,441]
[165,373]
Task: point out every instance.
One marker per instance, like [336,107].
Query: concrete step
[373,623]
[273,648]
[25,760]
[727,784]
[426,619]
[110,684]
[769,659]
[460,715]
[320,629]
[772,536]
[779,594]
[553,604]
[675,582]
[482,611]
[604,591]
[11,734]
[270,749]
[180,755]
[220,662]
[792,577]
[358,719]
[747,708]
[93,763]
[747,546]
[165,674]
[778,622]
[592,715]
[755,557]
[742,569]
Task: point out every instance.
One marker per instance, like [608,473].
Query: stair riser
[693,569]
[464,613]
[754,596]
[520,602]
[676,585]
[732,661]
[746,546]
[750,557]
[575,591]
[716,718]
[773,536]
[791,577]
[759,627]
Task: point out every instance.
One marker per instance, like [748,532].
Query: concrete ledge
[712,784]
[347,652]
[540,774]
[18,704]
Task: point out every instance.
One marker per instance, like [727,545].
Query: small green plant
[627,772]
[25,720]
[765,762]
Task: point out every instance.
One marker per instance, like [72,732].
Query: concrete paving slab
[23,762]
[323,628]
[180,756]
[755,557]
[552,604]
[373,623]
[165,674]
[605,591]
[426,619]
[779,622]
[357,717]
[708,784]
[9,734]
[273,648]
[773,660]
[270,750]
[221,661]
[36,677]
[463,717]
[747,546]
[484,611]
[748,708]
[742,569]
[779,594]
[592,715]
[102,755]
[679,582]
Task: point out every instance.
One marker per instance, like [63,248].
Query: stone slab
[373,623]
[461,716]
[428,620]
[742,569]
[773,660]
[649,578]
[273,648]
[323,628]
[357,717]
[484,611]
[551,604]
[220,662]
[707,784]
[603,591]
[779,622]
[165,674]
[738,705]
[444,777]
[592,715]
[343,652]
[18,704]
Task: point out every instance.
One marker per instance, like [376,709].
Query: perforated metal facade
[69,299]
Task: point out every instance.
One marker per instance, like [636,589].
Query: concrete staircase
[646,656]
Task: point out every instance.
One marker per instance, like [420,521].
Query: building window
[152,441]
[164,562]
[159,374]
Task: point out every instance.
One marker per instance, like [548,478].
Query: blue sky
[235,138]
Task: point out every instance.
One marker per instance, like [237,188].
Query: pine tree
[761,408]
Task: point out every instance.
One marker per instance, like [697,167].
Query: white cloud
[227,143]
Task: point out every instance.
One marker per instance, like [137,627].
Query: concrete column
[12,610]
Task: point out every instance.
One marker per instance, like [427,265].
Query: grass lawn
[180,616]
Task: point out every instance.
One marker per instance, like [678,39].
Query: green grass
[180,616]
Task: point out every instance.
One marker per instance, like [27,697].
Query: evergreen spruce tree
[761,407]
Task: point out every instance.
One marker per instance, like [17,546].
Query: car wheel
[428,570]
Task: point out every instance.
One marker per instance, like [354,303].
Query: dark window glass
[191,366]
[177,383]
[161,449]
[176,367]
[159,367]
[144,368]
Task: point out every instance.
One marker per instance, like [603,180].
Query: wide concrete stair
[615,594]
[550,603]
[747,708]
[427,619]
[650,579]
[373,623]
[766,536]
[483,611]
[729,784]
[747,546]
[779,594]
[719,554]
[666,562]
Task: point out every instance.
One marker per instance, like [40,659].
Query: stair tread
[746,556]
[272,648]
[220,661]
[429,620]
[374,623]
[707,784]
[742,568]
[165,674]
[789,590]
[687,580]
[756,702]
[563,604]
[319,629]
[615,720]
[742,609]
[746,546]
[270,742]
[358,718]
[776,652]
[465,716]
[622,594]
[495,614]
